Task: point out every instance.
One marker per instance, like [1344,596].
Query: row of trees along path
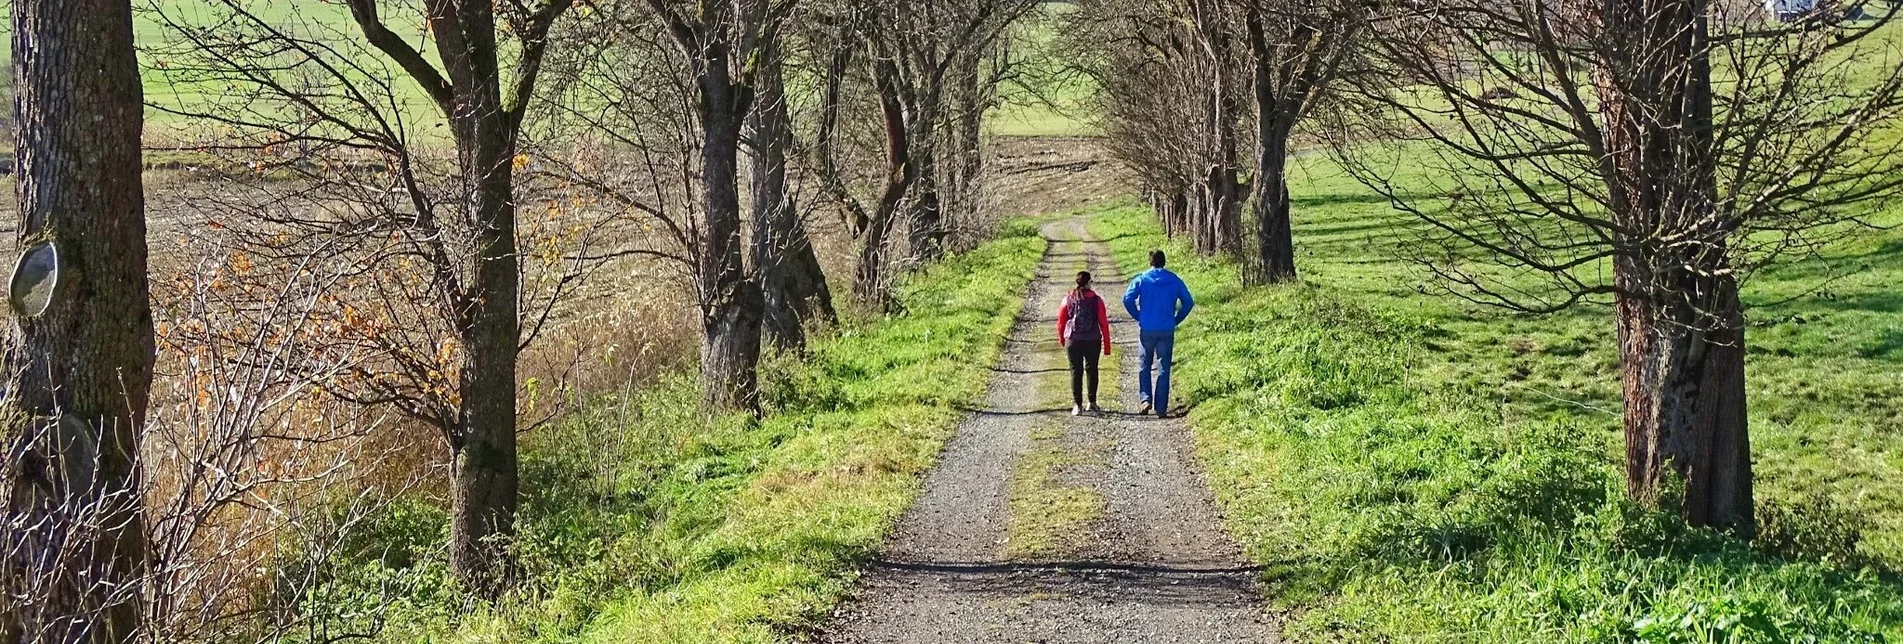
[1039,526]
[359,178]
[1551,153]
[1569,137]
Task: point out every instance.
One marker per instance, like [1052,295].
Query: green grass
[1048,516]
[1044,97]
[645,522]
[1825,364]
[171,81]
[1413,469]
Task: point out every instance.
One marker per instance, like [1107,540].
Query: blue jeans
[1157,345]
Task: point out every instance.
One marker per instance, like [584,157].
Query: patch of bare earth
[1050,175]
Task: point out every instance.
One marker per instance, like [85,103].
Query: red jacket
[1069,309]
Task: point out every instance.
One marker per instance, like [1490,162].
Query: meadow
[1411,467]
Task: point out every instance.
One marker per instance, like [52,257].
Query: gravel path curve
[1138,555]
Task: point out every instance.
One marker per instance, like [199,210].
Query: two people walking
[1159,301]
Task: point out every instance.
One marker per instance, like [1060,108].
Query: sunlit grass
[1414,468]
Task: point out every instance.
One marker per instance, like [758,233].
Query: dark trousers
[1083,363]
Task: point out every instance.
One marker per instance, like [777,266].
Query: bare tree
[1592,155]
[1139,58]
[715,39]
[1016,58]
[1297,50]
[257,481]
[792,283]
[1222,193]
[80,353]
[914,46]
[1171,102]
[325,106]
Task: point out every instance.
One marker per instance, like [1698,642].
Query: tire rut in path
[1147,560]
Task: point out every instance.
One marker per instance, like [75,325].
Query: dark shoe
[1093,408]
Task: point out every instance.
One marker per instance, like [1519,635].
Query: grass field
[1416,469]
[645,522]
[155,31]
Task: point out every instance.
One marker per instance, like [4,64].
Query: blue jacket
[1158,300]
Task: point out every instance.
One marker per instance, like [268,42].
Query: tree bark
[925,210]
[1221,206]
[1275,243]
[792,284]
[75,535]
[1278,105]
[1681,324]
[1685,408]
[926,237]
[484,469]
[966,168]
[901,174]
[1222,193]
[730,298]
[1175,206]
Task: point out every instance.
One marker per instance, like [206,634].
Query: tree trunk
[74,542]
[901,174]
[1175,208]
[966,169]
[1222,193]
[1685,407]
[793,286]
[730,299]
[1277,106]
[1681,325]
[1221,205]
[484,481]
[927,233]
[1275,243]
[926,240]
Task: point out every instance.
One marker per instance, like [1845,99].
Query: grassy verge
[1384,454]
[646,522]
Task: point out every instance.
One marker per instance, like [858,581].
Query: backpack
[1083,324]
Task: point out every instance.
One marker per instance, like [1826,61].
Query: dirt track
[1037,526]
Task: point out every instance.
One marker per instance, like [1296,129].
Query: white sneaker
[1143,408]
[1076,410]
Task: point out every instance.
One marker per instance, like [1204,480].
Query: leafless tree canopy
[1516,100]
[1174,79]
[1650,153]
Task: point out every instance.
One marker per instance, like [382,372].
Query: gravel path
[1037,526]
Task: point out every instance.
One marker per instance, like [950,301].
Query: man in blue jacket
[1159,301]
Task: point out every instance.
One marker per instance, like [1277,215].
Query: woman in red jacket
[1083,325]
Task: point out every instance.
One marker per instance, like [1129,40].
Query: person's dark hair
[1156,259]
[1083,280]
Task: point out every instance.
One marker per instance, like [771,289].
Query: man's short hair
[1156,259]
